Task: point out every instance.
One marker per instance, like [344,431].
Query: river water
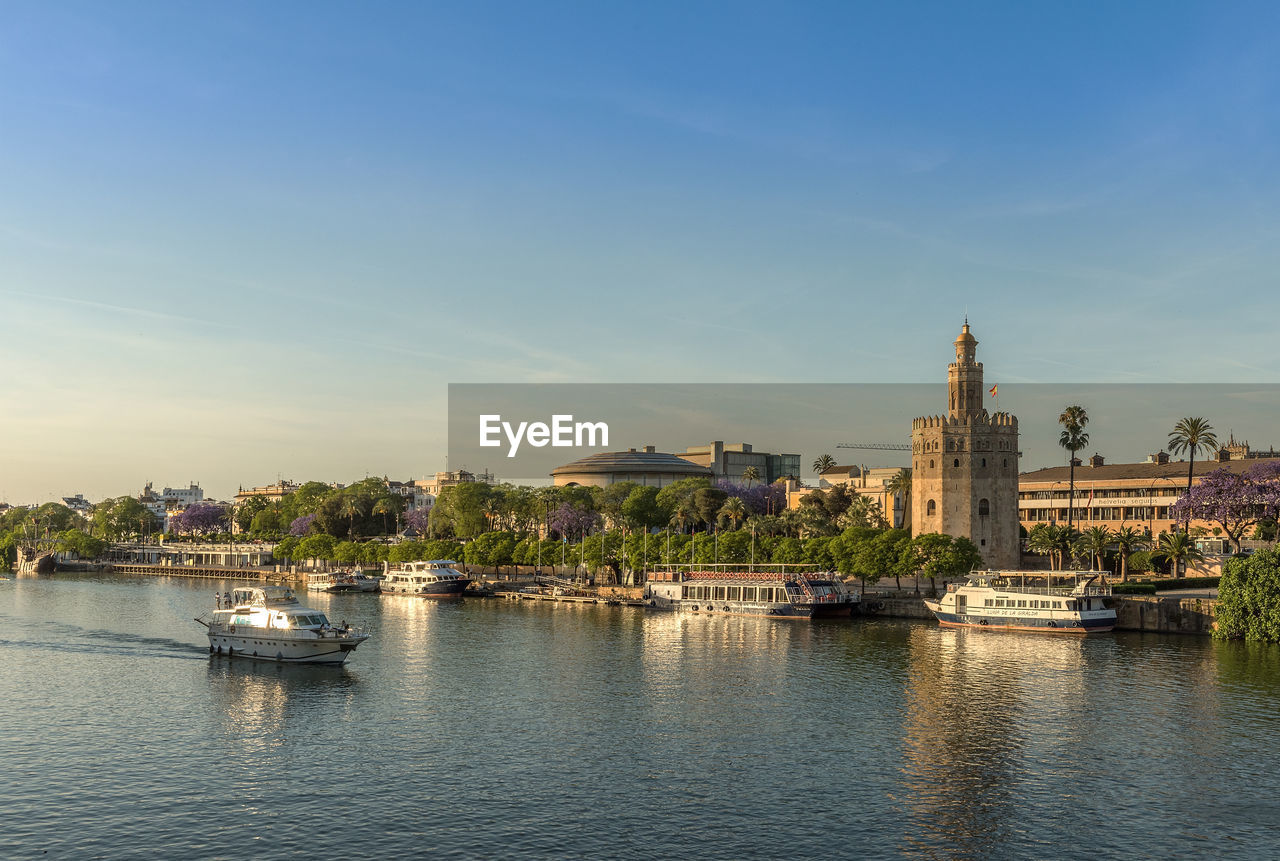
[488,728]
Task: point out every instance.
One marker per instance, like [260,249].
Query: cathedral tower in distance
[964,466]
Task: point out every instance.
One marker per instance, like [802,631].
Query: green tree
[683,513]
[1073,438]
[852,551]
[642,511]
[491,550]
[733,510]
[750,476]
[1192,434]
[1249,599]
[1127,540]
[246,511]
[1096,540]
[822,463]
[900,486]
[286,548]
[318,547]
[1180,549]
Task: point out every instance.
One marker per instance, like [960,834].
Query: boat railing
[219,626]
[1062,591]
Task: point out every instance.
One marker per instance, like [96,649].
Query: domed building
[646,467]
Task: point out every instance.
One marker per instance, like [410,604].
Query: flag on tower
[992,391]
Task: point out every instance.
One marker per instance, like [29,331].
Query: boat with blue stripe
[1049,602]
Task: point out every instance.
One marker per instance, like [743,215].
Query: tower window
[931,509]
[956,463]
[931,464]
[984,507]
[984,461]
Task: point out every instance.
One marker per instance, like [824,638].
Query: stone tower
[964,465]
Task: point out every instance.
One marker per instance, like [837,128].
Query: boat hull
[445,589]
[1076,628]
[771,611]
[326,650]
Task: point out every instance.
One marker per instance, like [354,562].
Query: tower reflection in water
[990,718]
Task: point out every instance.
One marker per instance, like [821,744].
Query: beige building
[1116,495]
[646,467]
[873,483]
[965,465]
[730,461]
[273,492]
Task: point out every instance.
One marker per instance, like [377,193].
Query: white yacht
[436,578]
[268,623]
[1051,602]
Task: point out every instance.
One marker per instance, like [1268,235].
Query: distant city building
[76,503]
[1115,495]
[731,461]
[181,497]
[441,480]
[272,492]
[646,466]
[964,465]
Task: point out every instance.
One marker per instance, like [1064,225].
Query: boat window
[1057,605]
[1071,605]
[735,593]
[719,593]
[987,602]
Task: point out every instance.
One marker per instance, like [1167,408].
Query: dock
[202,572]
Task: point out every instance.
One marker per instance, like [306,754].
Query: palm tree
[1127,540]
[1179,548]
[900,485]
[1096,540]
[822,463]
[750,475]
[1040,541]
[386,506]
[734,509]
[1073,438]
[1192,434]
[351,509]
[683,514]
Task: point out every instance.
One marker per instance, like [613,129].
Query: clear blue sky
[247,239]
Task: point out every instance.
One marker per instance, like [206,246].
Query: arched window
[984,508]
[984,461]
[956,463]
[931,509]
[931,464]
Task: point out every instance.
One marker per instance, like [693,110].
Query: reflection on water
[481,727]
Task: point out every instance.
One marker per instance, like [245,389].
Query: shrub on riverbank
[1249,599]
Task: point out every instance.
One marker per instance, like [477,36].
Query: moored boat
[777,591]
[267,623]
[1052,602]
[332,581]
[432,579]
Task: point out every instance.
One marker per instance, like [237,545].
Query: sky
[242,241]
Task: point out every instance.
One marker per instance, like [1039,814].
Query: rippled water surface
[498,729]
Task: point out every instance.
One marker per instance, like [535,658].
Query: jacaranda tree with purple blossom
[569,520]
[302,525]
[759,498]
[1235,501]
[201,518]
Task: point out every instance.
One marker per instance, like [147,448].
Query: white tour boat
[436,578]
[268,623]
[774,590]
[1051,602]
